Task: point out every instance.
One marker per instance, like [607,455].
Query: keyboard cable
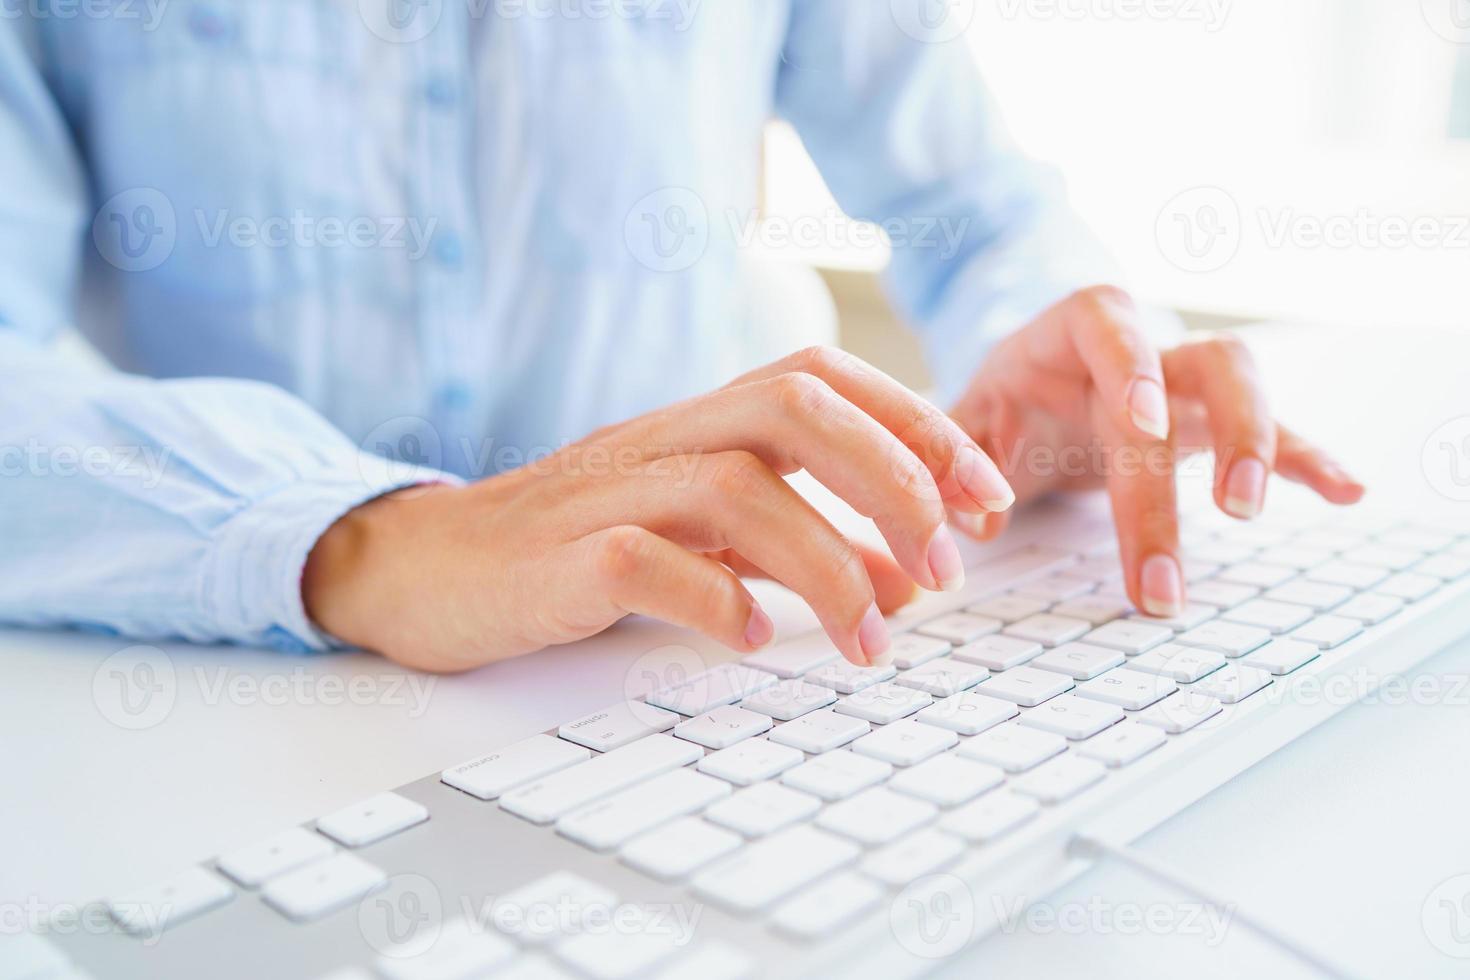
[1091,848]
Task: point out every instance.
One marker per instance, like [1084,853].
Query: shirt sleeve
[906,136]
[145,508]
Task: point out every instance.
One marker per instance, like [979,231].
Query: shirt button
[209,23]
[447,249]
[456,396]
[441,91]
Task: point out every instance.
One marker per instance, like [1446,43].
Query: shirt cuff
[253,584]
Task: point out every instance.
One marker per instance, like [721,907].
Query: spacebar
[982,580]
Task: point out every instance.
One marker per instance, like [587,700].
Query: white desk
[1341,837]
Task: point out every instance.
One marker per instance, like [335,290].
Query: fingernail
[1149,407]
[759,630]
[1245,488]
[945,563]
[1162,586]
[979,478]
[873,638]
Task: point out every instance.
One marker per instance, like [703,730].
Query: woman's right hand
[660,516]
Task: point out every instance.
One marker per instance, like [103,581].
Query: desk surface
[1341,838]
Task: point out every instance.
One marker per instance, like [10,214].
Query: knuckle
[854,592]
[1101,299]
[821,359]
[799,394]
[1229,351]
[734,474]
[912,478]
[621,551]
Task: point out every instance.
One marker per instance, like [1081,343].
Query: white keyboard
[797,794]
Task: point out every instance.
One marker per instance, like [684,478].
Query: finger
[1221,374]
[1301,462]
[635,571]
[966,477]
[733,500]
[981,527]
[797,421]
[1096,335]
[892,587]
[1141,488]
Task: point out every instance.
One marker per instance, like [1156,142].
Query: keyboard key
[967,713]
[1129,636]
[1048,629]
[614,820]
[1394,559]
[1294,556]
[1125,688]
[795,658]
[1009,608]
[1189,617]
[151,910]
[459,949]
[820,731]
[763,809]
[678,849]
[905,743]
[1417,539]
[1407,586]
[547,909]
[373,819]
[883,703]
[321,887]
[1282,656]
[846,678]
[941,678]
[958,628]
[998,652]
[947,780]
[920,853]
[1059,779]
[1256,573]
[723,727]
[750,761]
[638,945]
[911,649]
[790,699]
[1222,595]
[1097,609]
[1221,552]
[1056,588]
[710,961]
[1181,712]
[254,865]
[826,906]
[1178,663]
[619,725]
[1079,661]
[876,816]
[1317,596]
[515,765]
[1326,632]
[1369,608]
[1125,742]
[1329,539]
[1278,617]
[1232,683]
[1445,567]
[1197,571]
[1231,639]
[837,775]
[1072,717]
[1026,686]
[772,868]
[1346,573]
[1013,747]
[992,816]
[718,686]
[554,796]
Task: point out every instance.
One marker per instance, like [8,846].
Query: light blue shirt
[311,233]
